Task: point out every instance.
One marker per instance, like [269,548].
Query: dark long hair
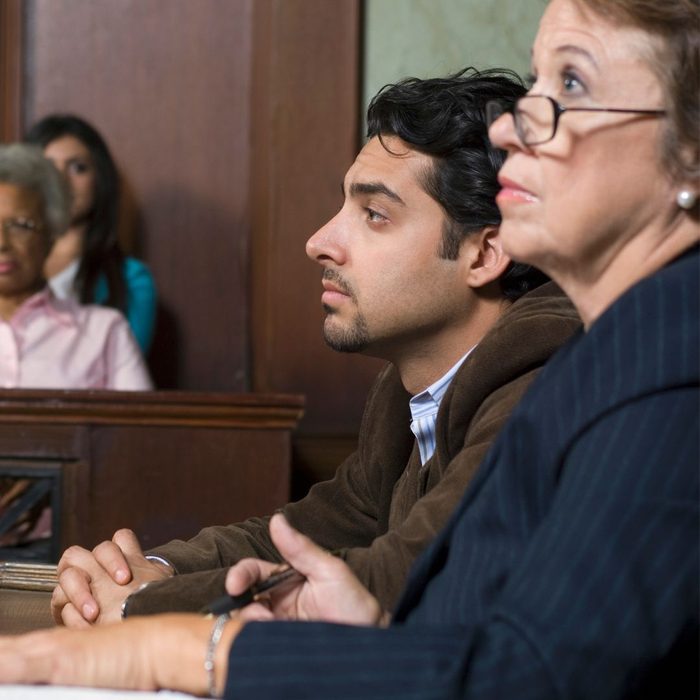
[445,118]
[101,252]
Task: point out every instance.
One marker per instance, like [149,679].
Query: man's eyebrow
[358,189]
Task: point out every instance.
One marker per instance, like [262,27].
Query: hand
[149,653]
[330,591]
[93,585]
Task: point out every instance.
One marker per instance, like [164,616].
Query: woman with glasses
[87,263]
[570,567]
[46,342]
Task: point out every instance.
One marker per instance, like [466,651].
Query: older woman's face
[22,249]
[579,199]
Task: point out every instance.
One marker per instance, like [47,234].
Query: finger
[256,612]
[111,558]
[58,601]
[305,556]
[73,556]
[245,573]
[75,586]
[72,618]
[127,541]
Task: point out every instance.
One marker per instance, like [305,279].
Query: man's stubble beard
[356,338]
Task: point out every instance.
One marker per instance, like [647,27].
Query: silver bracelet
[214,638]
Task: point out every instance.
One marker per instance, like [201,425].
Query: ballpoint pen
[227,603]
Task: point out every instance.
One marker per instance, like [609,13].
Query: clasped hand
[93,585]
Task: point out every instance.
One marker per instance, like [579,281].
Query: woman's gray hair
[26,167]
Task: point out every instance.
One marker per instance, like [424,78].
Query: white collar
[63,284]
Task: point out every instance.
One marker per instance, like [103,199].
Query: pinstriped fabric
[570,568]
[424,409]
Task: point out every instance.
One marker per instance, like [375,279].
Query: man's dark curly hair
[445,118]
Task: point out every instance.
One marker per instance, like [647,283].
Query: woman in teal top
[86,263]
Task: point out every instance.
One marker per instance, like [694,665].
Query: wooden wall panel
[11,36]
[168,83]
[305,137]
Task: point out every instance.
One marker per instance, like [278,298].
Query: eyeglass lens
[534,119]
[18,228]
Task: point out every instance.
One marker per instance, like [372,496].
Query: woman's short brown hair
[676,23]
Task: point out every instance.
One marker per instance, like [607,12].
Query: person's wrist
[178,651]
[124,612]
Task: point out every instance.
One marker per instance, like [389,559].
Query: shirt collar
[63,284]
[428,401]
[45,298]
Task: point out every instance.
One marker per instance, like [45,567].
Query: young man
[413,273]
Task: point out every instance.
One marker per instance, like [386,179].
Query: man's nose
[328,243]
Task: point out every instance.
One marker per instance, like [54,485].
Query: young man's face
[386,288]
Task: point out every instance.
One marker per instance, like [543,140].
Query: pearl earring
[686,199]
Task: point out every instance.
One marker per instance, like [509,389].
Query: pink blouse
[53,343]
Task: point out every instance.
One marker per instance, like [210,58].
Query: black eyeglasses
[536,117]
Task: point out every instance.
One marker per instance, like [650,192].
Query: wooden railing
[164,464]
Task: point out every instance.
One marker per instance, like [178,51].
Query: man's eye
[374,216]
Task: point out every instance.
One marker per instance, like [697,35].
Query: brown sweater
[383,507]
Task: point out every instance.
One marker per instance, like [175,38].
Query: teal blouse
[141,300]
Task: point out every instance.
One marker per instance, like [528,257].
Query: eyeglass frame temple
[559,109]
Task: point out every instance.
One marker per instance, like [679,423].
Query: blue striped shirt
[424,409]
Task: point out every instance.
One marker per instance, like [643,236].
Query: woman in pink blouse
[46,342]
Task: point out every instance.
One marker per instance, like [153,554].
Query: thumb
[127,541]
[305,556]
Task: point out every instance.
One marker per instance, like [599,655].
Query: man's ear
[483,257]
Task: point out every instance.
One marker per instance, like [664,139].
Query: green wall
[429,38]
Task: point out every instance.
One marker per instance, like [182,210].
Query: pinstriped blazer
[570,567]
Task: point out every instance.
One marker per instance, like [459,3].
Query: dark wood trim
[164,408]
[261,332]
[11,44]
